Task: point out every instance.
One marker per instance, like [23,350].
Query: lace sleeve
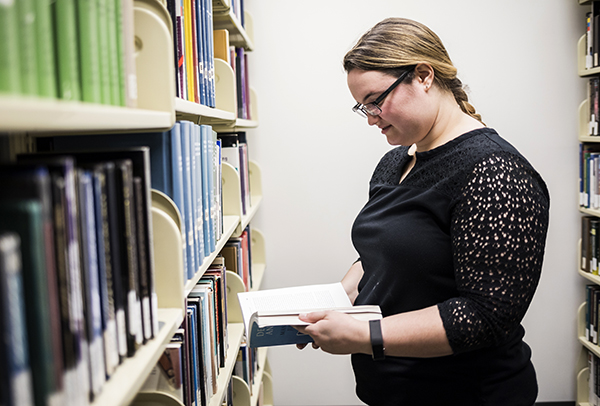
[498,234]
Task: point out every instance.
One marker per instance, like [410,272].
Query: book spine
[10,81]
[66,46]
[15,354]
[45,50]
[89,51]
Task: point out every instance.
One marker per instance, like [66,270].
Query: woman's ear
[424,73]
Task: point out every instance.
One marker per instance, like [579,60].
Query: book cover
[269,315]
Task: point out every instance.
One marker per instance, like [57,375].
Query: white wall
[518,59]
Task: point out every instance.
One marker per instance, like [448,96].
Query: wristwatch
[376,340]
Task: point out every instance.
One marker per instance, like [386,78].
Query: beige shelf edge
[258,272]
[256,201]
[124,384]
[51,116]
[187,108]
[229,225]
[262,359]
[235,332]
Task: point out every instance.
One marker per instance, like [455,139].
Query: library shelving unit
[22,119]
[582,367]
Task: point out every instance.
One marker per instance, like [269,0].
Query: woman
[451,240]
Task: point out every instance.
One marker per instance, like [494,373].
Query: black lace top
[465,231]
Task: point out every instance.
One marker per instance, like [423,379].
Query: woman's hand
[336,333]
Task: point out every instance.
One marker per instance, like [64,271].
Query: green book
[46,68]
[26,20]
[66,49]
[120,53]
[103,36]
[113,50]
[89,51]
[25,218]
[10,82]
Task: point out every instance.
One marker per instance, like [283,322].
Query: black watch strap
[376,339]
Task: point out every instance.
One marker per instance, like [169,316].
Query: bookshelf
[588,349]
[25,118]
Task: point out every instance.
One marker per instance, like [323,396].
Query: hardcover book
[270,315]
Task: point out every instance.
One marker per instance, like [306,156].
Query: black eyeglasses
[373,109]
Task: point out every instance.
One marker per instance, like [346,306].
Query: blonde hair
[394,44]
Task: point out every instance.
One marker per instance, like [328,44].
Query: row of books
[246,364]
[189,367]
[238,255]
[594,98]
[592,314]
[594,379]
[186,166]
[593,36]
[69,49]
[193,50]
[84,224]
[234,147]
[589,181]
[237,58]
[590,244]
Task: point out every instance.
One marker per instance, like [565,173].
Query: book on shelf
[123,165]
[192,44]
[68,267]
[235,152]
[10,78]
[26,184]
[167,375]
[16,383]
[69,49]
[270,315]
[221,45]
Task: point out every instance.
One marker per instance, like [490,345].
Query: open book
[269,315]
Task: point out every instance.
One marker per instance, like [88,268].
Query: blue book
[186,148]
[197,190]
[16,385]
[203,248]
[91,283]
[193,337]
[178,189]
[207,165]
[201,51]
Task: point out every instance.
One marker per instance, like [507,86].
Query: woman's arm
[351,280]
[418,333]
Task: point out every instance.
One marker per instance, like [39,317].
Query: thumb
[312,317]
